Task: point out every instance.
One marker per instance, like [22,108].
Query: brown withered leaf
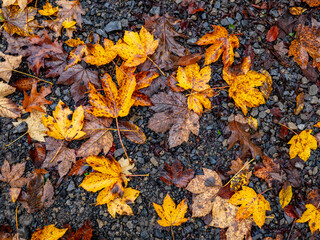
[79,77]
[313,197]
[132,132]
[38,195]
[100,138]
[169,50]
[189,59]
[299,104]
[23,84]
[36,99]
[172,113]
[56,64]
[7,107]
[244,138]
[19,21]
[270,171]
[172,83]
[281,49]
[78,168]
[307,42]
[82,233]
[175,174]
[38,154]
[41,49]
[64,158]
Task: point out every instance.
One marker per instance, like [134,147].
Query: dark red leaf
[272,34]
[38,154]
[289,210]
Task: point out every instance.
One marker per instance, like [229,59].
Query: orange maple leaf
[36,99]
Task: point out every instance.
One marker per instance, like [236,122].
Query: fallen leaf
[280,48]
[36,99]
[98,55]
[38,154]
[120,204]
[36,129]
[23,84]
[175,174]
[307,42]
[270,171]
[10,63]
[79,77]
[312,3]
[285,195]
[311,215]
[78,168]
[222,44]
[251,204]
[189,59]
[48,10]
[206,187]
[107,176]
[49,232]
[170,214]
[59,154]
[65,124]
[241,172]
[135,48]
[299,104]
[196,80]
[272,34]
[116,102]
[253,122]
[7,107]
[244,139]
[132,132]
[22,3]
[82,233]
[19,21]
[169,49]
[172,113]
[74,42]
[126,165]
[100,138]
[297,10]
[38,195]
[301,145]
[56,64]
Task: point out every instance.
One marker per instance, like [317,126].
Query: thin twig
[125,152]
[288,128]
[16,139]
[137,175]
[27,74]
[156,66]
[246,164]
[57,151]
[17,225]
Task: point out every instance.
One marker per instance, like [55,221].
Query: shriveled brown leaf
[244,138]
[270,171]
[38,195]
[299,103]
[79,77]
[13,175]
[38,154]
[175,174]
[172,113]
[100,138]
[64,158]
[36,99]
[56,64]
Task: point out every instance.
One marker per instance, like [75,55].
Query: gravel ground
[73,205]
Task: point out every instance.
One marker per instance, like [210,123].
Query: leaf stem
[57,151]
[17,225]
[27,74]
[125,152]
[245,165]
[288,128]
[172,233]
[17,139]
[137,175]
[156,66]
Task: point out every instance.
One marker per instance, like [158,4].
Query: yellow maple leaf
[98,55]
[120,204]
[196,80]
[65,124]
[49,232]
[48,10]
[301,145]
[222,43]
[107,176]
[170,214]
[312,214]
[251,204]
[135,48]
[116,102]
[243,85]
[285,195]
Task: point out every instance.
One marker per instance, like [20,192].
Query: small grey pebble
[113,26]
[21,128]
[313,90]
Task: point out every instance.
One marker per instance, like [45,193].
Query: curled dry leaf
[37,195]
[120,204]
[126,166]
[175,174]
[238,134]
[299,104]
[301,145]
[172,113]
[135,48]
[222,44]
[65,124]
[106,177]
[7,107]
[36,99]
[100,138]
[285,195]
[10,63]
[170,214]
[196,80]
[49,232]
[251,204]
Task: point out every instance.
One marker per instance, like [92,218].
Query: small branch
[16,139]
[125,152]
[27,74]
[57,151]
